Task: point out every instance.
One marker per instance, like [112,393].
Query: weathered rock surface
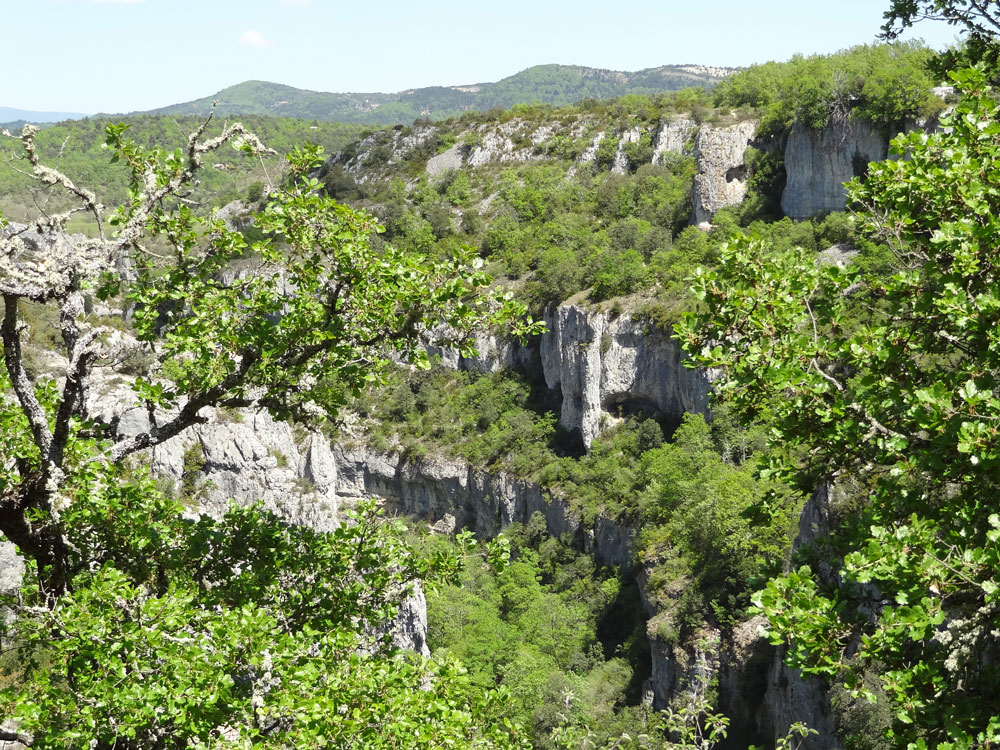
[605,367]
[621,163]
[450,159]
[11,567]
[672,137]
[438,488]
[494,353]
[608,367]
[722,175]
[409,628]
[818,163]
[760,694]
[590,153]
[497,145]
[239,454]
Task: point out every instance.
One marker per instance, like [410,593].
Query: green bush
[618,274]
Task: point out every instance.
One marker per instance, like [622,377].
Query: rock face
[497,145]
[238,454]
[493,354]
[606,367]
[672,137]
[722,175]
[409,628]
[818,163]
[450,159]
[621,163]
[11,567]
[444,490]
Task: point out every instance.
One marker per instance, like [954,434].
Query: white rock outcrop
[606,366]
[11,568]
[243,455]
[493,354]
[672,137]
[621,163]
[722,176]
[496,145]
[449,159]
[590,153]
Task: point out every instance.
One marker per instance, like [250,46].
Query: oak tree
[889,383]
[137,627]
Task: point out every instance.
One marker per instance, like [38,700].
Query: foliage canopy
[137,628]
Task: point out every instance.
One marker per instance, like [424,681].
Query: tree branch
[14,361]
[188,414]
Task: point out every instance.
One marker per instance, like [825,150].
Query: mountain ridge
[13,115]
[553,84]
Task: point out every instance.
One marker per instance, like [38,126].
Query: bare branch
[14,361]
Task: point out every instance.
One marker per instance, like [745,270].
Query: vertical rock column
[722,176]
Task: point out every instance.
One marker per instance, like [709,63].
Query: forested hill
[77,148]
[557,85]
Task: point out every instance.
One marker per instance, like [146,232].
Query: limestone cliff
[438,488]
[621,163]
[818,163]
[722,175]
[303,477]
[237,454]
[672,138]
[605,367]
[610,366]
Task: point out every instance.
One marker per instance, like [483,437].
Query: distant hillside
[557,85]
[10,115]
[77,149]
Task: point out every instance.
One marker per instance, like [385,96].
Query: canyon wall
[605,366]
[819,162]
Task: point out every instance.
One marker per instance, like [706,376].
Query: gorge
[589,438]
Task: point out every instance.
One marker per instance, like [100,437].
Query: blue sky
[125,55]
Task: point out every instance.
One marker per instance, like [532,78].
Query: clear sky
[125,55]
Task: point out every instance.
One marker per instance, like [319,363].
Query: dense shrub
[884,83]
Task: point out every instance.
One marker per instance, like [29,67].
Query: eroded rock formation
[607,367]
[722,175]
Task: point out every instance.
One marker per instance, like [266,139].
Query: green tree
[136,629]
[891,381]
[978,21]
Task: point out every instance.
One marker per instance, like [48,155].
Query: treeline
[884,83]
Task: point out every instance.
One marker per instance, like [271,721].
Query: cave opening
[624,406]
